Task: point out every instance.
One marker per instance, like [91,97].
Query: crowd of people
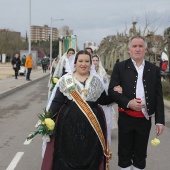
[82,105]
[26,62]
[82,102]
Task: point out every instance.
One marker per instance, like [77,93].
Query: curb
[8,92]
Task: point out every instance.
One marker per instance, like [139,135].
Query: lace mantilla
[59,67]
[90,92]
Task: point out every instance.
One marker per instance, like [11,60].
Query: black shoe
[16,78]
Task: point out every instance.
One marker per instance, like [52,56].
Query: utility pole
[29,48]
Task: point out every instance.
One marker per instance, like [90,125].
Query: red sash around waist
[133,113]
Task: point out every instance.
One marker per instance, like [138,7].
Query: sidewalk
[8,83]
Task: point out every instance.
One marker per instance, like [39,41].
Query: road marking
[27,142]
[15,160]
[38,123]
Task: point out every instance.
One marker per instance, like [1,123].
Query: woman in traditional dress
[62,67]
[80,140]
[99,69]
[109,111]
[54,65]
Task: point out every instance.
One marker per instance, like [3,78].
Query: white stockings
[129,168]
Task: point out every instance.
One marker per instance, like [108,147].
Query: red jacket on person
[164,65]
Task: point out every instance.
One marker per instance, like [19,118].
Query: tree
[150,23]
[55,48]
[11,42]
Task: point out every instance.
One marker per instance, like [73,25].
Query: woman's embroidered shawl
[91,92]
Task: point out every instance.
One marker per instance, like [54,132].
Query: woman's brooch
[84,91]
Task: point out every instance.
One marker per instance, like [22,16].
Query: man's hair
[138,37]
[89,49]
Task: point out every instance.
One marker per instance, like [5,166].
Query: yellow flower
[155,142]
[55,80]
[49,123]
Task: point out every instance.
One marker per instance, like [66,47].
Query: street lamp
[29,48]
[51,40]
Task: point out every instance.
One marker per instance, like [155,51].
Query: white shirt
[140,93]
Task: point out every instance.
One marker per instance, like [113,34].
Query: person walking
[109,111]
[54,65]
[44,63]
[63,64]
[90,50]
[29,66]
[140,99]
[80,120]
[16,63]
[23,60]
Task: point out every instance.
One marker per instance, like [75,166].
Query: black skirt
[76,144]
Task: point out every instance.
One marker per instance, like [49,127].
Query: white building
[88,44]
[91,45]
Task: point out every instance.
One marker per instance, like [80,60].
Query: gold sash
[85,108]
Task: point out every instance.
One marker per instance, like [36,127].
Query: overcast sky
[91,20]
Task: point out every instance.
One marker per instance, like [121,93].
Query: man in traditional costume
[141,98]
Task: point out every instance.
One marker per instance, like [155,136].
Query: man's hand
[159,129]
[135,104]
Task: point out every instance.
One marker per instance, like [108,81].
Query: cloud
[90,19]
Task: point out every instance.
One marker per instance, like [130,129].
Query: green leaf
[42,129]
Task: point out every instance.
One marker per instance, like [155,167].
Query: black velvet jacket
[125,75]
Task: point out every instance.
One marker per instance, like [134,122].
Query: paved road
[18,117]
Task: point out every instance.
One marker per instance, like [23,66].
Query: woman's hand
[118,89]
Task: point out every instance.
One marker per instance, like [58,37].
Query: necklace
[80,78]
